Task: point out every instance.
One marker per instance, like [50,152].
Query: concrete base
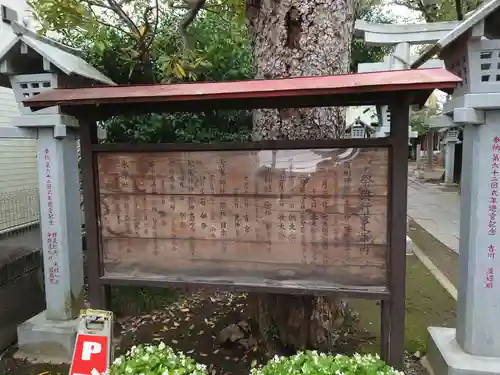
[446,357]
[419,174]
[43,340]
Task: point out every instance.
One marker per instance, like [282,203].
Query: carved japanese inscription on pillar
[303,216]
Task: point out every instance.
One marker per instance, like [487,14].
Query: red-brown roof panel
[348,89]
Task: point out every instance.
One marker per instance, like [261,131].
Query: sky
[401,13]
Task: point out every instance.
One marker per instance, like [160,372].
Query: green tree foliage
[149,41]
[444,10]
[419,120]
[141,41]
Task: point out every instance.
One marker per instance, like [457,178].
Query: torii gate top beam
[377,34]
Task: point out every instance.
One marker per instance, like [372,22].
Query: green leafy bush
[314,363]
[155,360]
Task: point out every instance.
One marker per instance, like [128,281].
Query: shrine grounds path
[434,224]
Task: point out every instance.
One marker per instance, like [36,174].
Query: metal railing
[19,209]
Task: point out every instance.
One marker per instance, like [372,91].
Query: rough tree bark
[300,38]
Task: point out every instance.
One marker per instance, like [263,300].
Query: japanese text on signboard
[295,214]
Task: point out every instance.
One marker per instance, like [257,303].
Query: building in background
[18,174]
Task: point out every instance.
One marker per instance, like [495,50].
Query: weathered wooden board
[244,260]
[297,214]
[248,218]
[297,172]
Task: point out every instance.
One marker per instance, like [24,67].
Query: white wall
[19,6]
[366,113]
[18,174]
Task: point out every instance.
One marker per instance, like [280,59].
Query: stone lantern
[358,131]
[472,51]
[449,141]
[31,64]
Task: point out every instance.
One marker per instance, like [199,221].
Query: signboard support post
[398,226]
[99,295]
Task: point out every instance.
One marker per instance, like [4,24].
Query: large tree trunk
[300,38]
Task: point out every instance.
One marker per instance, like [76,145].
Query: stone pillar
[430,148]
[473,348]
[419,173]
[51,334]
[449,162]
[478,304]
[400,58]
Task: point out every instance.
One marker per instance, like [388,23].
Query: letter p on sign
[90,356]
[90,348]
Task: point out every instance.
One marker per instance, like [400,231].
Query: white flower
[162,347]
[118,361]
[165,372]
[201,367]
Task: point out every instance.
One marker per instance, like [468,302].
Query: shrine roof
[61,56]
[340,90]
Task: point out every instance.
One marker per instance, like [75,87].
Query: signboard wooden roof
[348,89]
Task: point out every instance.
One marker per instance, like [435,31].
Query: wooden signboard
[303,216]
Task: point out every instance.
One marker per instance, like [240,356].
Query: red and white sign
[90,356]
